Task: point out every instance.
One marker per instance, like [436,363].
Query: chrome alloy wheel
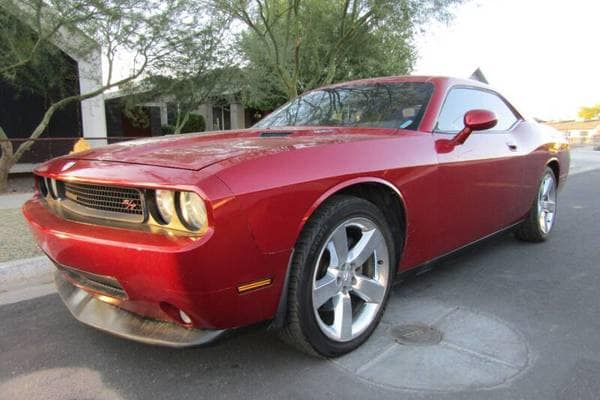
[350,279]
[546,203]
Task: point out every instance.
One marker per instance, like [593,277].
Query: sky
[543,55]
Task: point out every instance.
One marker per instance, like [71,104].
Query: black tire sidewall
[342,210]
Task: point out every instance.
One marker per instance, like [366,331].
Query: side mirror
[475,120]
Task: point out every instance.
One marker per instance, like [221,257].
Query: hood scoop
[275,134]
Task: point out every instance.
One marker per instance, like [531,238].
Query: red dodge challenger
[304,219]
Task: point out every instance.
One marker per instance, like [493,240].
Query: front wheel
[341,277]
[542,215]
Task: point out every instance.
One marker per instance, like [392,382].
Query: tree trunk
[7,160]
[4,168]
[181,123]
[9,157]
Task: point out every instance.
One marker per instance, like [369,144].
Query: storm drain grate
[416,334]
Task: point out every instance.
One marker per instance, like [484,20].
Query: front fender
[280,192]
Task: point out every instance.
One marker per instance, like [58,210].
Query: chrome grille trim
[107,202]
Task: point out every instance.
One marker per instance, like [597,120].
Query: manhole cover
[416,334]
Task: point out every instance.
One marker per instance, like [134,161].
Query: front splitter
[98,314]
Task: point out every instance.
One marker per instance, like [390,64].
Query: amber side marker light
[254,285]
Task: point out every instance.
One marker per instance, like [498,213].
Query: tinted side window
[461,100]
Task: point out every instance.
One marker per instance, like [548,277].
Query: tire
[322,272]
[542,215]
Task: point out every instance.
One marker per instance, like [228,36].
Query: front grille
[101,201]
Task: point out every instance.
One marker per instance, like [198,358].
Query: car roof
[440,81]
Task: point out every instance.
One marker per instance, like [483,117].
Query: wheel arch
[387,197]
[554,165]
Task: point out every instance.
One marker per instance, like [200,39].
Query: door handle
[511,146]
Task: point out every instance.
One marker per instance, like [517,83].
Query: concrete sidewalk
[25,278]
[14,200]
[583,160]
[27,270]
[24,271]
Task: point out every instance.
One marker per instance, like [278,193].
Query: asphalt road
[547,293]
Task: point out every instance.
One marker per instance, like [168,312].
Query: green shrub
[167,129]
[195,123]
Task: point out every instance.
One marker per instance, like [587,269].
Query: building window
[221,118]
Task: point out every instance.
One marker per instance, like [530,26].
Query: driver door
[480,179]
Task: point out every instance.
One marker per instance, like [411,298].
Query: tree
[150,33]
[590,112]
[296,45]
[188,94]
[185,91]
[198,69]
[184,94]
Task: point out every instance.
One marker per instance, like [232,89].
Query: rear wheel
[341,277]
[541,217]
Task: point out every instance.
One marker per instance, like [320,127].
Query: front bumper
[160,273]
[99,314]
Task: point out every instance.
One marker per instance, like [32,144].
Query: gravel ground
[20,183]
[15,238]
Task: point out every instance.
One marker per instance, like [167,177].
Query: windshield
[389,105]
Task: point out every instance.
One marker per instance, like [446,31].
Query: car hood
[197,151]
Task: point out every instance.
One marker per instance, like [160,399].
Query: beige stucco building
[579,132]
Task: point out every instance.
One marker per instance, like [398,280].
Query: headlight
[165,205]
[192,210]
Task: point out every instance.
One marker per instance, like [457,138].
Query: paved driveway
[518,321]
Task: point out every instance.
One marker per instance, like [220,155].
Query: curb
[26,271]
